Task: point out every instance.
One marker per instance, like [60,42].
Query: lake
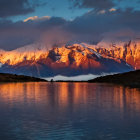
[69,111]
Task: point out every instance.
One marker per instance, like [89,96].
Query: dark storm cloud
[105,4]
[14,35]
[98,22]
[96,4]
[91,27]
[15,7]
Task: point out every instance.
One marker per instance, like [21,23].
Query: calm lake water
[69,111]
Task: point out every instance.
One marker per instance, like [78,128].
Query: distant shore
[131,79]
[4,77]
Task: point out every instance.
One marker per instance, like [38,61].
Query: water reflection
[40,111]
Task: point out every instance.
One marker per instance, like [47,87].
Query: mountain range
[71,60]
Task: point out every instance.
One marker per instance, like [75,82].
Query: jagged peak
[38,51]
[118,43]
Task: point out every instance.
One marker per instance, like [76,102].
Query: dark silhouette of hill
[4,77]
[131,79]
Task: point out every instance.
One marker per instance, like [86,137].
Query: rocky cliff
[70,60]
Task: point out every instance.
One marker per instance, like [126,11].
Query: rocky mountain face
[72,60]
[129,52]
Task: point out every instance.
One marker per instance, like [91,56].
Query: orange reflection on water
[62,95]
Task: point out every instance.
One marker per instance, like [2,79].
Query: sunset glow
[69,69]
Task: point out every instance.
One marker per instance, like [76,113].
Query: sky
[24,22]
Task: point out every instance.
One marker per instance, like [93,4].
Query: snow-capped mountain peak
[68,60]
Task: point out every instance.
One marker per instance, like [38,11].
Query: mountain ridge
[70,60]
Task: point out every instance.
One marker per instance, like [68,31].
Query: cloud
[18,34]
[92,27]
[96,25]
[73,78]
[56,37]
[96,4]
[121,35]
[102,12]
[16,7]
[112,10]
[107,5]
[36,18]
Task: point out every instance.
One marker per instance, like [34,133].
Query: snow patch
[128,65]
[97,54]
[1,65]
